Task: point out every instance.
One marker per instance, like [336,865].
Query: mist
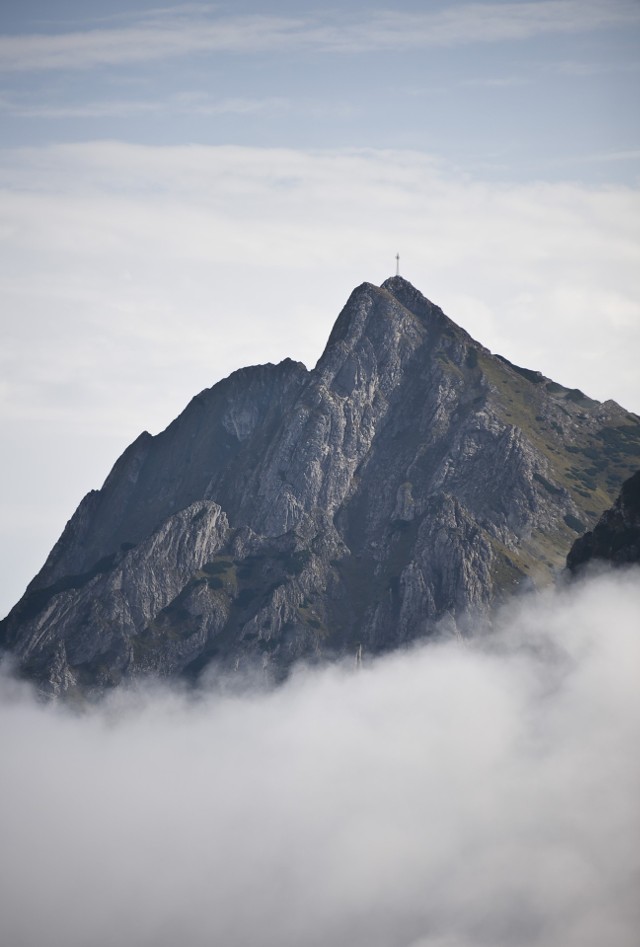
[456,794]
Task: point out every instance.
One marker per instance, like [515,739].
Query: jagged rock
[616,537]
[410,477]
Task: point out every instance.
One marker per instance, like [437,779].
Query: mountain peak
[411,299]
[398,286]
[397,281]
[404,291]
[287,514]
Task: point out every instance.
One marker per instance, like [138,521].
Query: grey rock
[615,540]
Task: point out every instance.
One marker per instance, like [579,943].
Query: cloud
[611,156]
[149,245]
[495,82]
[188,103]
[147,41]
[583,68]
[471,23]
[194,29]
[449,796]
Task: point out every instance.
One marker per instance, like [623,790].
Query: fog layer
[454,795]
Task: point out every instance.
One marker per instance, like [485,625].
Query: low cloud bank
[451,796]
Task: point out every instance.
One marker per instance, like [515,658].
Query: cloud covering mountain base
[452,795]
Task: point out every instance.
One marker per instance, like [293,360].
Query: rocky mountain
[410,477]
[616,536]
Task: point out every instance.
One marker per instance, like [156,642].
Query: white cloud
[176,32]
[144,42]
[470,23]
[449,796]
[151,243]
[190,104]
[495,83]
[608,156]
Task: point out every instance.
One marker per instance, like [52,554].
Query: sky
[454,795]
[191,188]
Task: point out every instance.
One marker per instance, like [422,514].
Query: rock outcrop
[616,537]
[409,478]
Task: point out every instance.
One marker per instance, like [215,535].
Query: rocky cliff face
[616,537]
[410,477]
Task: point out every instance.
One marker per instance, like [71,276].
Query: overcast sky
[191,188]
